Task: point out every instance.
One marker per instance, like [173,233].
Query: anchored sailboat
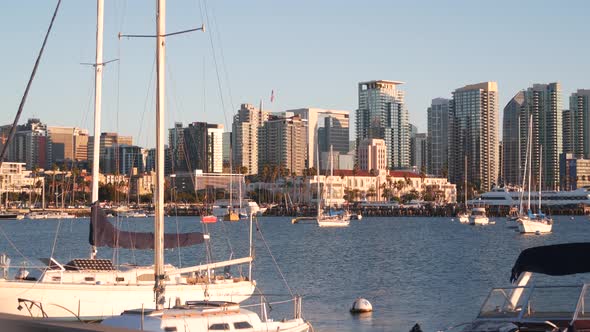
[191,315]
[92,288]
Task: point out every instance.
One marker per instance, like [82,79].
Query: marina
[409,270]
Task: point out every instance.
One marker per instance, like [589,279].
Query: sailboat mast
[97,107]
[530,156]
[465,186]
[318,174]
[540,174]
[160,103]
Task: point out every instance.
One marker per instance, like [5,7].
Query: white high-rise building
[245,128]
[215,134]
[382,114]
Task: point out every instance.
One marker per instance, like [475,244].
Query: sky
[311,53]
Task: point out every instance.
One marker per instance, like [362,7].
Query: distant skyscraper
[473,133]
[178,162]
[419,148]
[576,125]
[282,143]
[543,102]
[203,147]
[335,128]
[382,114]
[31,145]
[68,143]
[122,159]
[512,161]
[245,128]
[438,137]
[107,140]
[227,148]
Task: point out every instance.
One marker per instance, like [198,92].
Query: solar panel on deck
[90,264]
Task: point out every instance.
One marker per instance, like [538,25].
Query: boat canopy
[554,260]
[104,234]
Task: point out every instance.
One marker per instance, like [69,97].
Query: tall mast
[318,175]
[465,186]
[540,174]
[97,105]
[160,103]
[530,144]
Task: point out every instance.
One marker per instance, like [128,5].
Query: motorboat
[527,306]
[464,217]
[478,216]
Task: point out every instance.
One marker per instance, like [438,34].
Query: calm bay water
[433,271]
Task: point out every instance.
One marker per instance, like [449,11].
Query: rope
[16,249]
[273,258]
[55,238]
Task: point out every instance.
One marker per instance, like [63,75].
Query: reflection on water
[433,271]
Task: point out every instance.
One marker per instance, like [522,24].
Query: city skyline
[270,52]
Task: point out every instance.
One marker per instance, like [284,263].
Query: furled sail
[554,260]
[104,234]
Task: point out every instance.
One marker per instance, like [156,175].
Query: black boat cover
[554,260]
[104,234]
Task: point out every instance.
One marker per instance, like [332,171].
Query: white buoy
[361,305]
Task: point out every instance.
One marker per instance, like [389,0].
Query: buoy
[361,305]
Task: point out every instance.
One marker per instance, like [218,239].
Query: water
[433,271]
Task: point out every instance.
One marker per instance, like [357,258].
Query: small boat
[464,217]
[208,219]
[11,216]
[356,216]
[478,216]
[531,307]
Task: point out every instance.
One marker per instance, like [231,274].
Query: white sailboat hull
[96,302]
[527,225]
[333,221]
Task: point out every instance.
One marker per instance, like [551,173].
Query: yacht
[511,196]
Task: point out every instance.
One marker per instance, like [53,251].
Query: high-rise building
[382,114]
[335,131]
[372,154]
[178,159]
[123,159]
[543,104]
[418,146]
[245,128]
[107,140]
[474,133]
[282,143]
[512,166]
[227,148]
[31,145]
[203,147]
[438,138]
[576,125]
[68,143]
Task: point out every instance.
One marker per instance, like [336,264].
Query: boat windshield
[534,304]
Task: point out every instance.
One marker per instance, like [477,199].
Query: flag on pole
[272,96]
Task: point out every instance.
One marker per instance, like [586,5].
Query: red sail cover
[104,234]
[208,219]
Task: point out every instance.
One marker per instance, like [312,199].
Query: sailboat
[464,216]
[93,288]
[330,218]
[191,315]
[530,222]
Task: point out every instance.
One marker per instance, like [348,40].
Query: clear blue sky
[312,53]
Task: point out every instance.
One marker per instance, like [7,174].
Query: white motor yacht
[478,216]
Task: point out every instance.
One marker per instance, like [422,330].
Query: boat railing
[264,305]
[535,304]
